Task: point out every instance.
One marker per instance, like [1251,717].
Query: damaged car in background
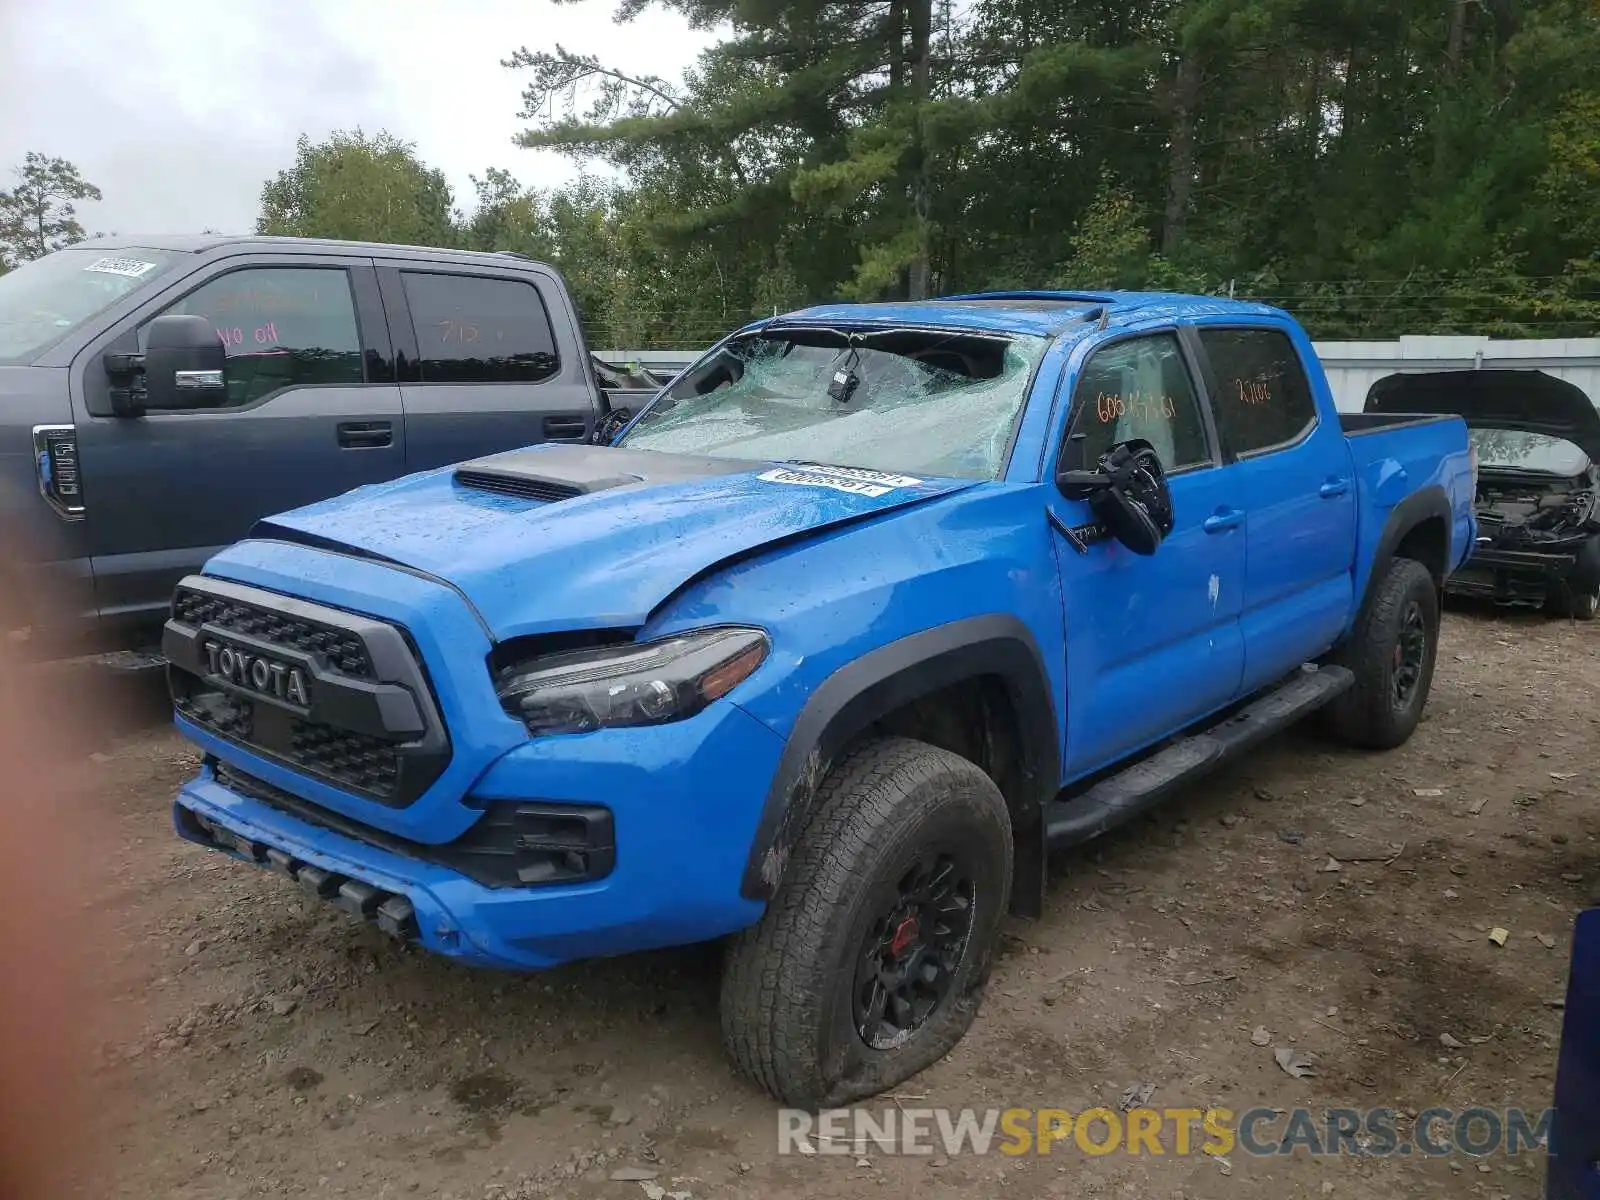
[1536,439]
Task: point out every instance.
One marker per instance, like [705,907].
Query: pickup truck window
[1138,388]
[1263,399]
[922,402]
[281,327]
[472,329]
[44,300]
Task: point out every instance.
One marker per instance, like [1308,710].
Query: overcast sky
[179,111]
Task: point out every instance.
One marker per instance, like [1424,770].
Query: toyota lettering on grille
[256,673]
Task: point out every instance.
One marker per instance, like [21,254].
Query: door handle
[365,435]
[558,428]
[1224,519]
[1333,488]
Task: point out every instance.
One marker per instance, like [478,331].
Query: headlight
[647,683]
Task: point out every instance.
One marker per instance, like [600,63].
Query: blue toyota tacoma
[861,616]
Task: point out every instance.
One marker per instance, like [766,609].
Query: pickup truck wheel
[870,962]
[1392,656]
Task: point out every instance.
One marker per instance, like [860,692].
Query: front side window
[1263,399]
[281,327]
[919,402]
[472,329]
[1138,388]
[43,301]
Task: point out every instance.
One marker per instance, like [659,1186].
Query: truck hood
[562,537]
[1529,400]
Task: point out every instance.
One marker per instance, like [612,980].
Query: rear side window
[1263,399]
[476,330]
[1139,388]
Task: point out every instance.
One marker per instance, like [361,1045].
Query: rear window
[474,329]
[1262,398]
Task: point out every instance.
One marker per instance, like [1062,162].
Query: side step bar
[1123,796]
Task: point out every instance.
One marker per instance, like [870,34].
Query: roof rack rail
[1034,294]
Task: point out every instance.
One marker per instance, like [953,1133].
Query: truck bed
[1363,423]
[1396,456]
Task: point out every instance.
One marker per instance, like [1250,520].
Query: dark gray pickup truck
[159,395]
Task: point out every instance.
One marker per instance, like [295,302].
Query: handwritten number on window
[458,331]
[1253,391]
[1142,406]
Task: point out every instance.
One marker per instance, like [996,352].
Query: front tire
[1392,655]
[871,961]
[1580,606]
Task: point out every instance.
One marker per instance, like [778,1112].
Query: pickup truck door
[1153,643]
[310,410]
[489,359]
[1297,490]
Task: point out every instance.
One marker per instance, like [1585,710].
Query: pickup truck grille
[344,651]
[365,764]
[332,695]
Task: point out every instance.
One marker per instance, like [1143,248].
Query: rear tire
[871,961]
[1392,655]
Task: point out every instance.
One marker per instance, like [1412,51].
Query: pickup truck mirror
[185,364]
[1127,493]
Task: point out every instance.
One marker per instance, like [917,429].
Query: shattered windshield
[44,300]
[1520,450]
[939,402]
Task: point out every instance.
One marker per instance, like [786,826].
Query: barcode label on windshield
[133,268]
[854,480]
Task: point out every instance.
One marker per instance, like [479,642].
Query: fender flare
[1422,505]
[862,691]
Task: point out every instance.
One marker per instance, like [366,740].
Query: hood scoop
[563,471]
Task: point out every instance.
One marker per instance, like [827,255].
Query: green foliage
[39,214]
[1112,246]
[361,188]
[1379,167]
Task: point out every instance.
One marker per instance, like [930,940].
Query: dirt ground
[278,1048]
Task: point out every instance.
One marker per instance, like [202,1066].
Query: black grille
[228,715]
[365,763]
[524,489]
[341,650]
[340,698]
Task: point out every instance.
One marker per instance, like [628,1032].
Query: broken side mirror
[1128,494]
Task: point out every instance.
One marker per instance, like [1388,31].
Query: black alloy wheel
[1410,656]
[911,954]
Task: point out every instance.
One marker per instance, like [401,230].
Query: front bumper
[1513,576]
[684,801]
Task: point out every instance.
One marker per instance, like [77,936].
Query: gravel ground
[273,1047]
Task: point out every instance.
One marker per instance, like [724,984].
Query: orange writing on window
[1142,406]
[1253,391]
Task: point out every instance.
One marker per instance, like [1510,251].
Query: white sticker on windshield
[854,480]
[133,268]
